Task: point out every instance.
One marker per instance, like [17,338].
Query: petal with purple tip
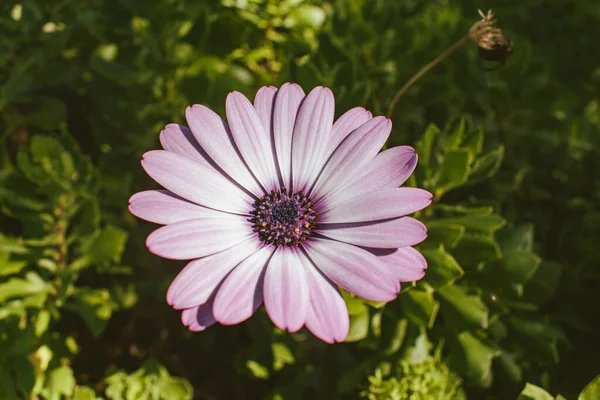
[407,263]
[241,293]
[179,139]
[399,232]
[389,169]
[163,207]
[354,269]
[212,133]
[352,155]
[195,182]
[198,318]
[198,237]
[197,282]
[327,317]
[383,204]
[346,124]
[286,291]
[263,103]
[252,139]
[311,137]
[287,103]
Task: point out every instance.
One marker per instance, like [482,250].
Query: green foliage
[510,295]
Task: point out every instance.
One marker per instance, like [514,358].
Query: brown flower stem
[423,71]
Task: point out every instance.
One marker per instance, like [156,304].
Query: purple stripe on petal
[383,204]
[198,237]
[389,169]
[286,291]
[179,139]
[399,232]
[198,281]
[241,293]
[346,124]
[163,207]
[311,137]
[354,269]
[198,318]
[212,133]
[252,139]
[353,155]
[287,103]
[263,103]
[407,263]
[195,182]
[327,317]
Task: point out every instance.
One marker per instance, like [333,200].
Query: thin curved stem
[423,71]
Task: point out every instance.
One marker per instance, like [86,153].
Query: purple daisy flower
[281,205]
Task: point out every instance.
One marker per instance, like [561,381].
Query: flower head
[491,42]
[281,205]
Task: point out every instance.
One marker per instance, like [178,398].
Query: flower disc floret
[284,218]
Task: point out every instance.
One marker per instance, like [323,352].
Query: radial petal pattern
[280,205]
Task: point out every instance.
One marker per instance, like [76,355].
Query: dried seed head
[492,44]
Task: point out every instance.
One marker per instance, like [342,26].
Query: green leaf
[486,166]
[83,393]
[591,391]
[444,233]
[108,246]
[359,326]
[518,265]
[542,285]
[41,322]
[518,238]
[25,374]
[94,306]
[540,338]
[176,389]
[483,223]
[257,370]
[475,249]
[60,383]
[282,355]
[396,336]
[461,310]
[472,358]
[420,307]
[442,268]
[7,389]
[532,392]
[453,172]
[48,113]
[424,147]
[18,287]
[508,362]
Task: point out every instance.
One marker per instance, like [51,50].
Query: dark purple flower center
[284,218]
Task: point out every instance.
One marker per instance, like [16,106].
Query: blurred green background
[511,295]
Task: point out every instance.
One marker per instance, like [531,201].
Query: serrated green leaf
[60,383]
[474,249]
[424,147]
[444,233]
[442,267]
[462,310]
[94,306]
[483,223]
[591,391]
[532,392]
[472,359]
[108,246]
[18,287]
[282,355]
[486,166]
[518,265]
[83,393]
[420,307]
[453,172]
